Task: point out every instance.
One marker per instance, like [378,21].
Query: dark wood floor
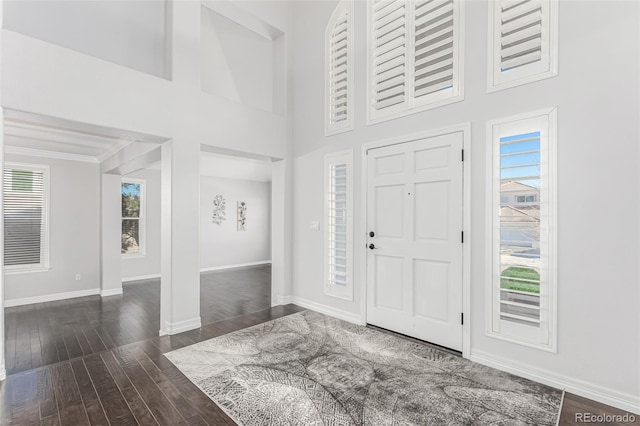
[105,362]
[46,333]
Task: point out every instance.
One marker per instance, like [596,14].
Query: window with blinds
[132,235]
[523,253]
[415,56]
[522,42]
[25,192]
[339,225]
[339,70]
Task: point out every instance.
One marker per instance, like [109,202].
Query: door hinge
[461,318]
[462,155]
[462,236]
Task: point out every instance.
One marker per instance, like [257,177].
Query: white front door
[414,220]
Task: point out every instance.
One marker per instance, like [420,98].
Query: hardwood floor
[92,361]
[46,333]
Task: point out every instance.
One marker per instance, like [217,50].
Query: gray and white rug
[311,369]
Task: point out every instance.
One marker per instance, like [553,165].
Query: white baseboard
[601,394]
[282,300]
[239,265]
[111,292]
[51,297]
[324,309]
[3,373]
[180,326]
[208,269]
[140,277]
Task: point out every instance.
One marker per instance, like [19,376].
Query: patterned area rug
[311,369]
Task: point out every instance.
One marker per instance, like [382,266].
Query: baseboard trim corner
[170,329]
[597,393]
[282,300]
[141,277]
[51,297]
[111,292]
[328,310]
[238,265]
[3,373]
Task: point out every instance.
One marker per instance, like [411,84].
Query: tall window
[26,232]
[338,276]
[415,56]
[523,254]
[133,227]
[339,69]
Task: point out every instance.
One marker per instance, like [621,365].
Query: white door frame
[361,237]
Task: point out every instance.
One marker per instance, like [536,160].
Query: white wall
[149,264]
[129,33]
[597,93]
[237,63]
[74,227]
[223,245]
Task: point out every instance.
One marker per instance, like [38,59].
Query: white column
[180,227]
[281,235]
[3,373]
[110,235]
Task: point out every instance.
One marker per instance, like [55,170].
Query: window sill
[26,270]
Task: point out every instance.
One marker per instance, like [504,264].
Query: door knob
[372,246]
[372,234]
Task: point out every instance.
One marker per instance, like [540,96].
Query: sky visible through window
[520,158]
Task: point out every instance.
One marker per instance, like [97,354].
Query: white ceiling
[33,134]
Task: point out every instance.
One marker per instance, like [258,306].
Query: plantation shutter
[339,60]
[24,217]
[339,225]
[389,25]
[523,41]
[434,44]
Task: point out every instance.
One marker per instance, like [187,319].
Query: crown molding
[49,154]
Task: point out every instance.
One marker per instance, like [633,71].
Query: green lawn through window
[522,273]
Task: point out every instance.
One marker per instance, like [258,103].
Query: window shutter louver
[523,264]
[339,226]
[414,56]
[523,45]
[339,59]
[434,47]
[390,48]
[25,230]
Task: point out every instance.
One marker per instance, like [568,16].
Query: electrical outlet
[315,225]
[78,277]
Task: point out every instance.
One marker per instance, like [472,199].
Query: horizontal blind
[519,228]
[24,216]
[433,52]
[521,33]
[339,70]
[389,29]
[338,223]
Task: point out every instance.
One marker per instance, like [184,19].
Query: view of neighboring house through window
[25,191]
[132,218]
[523,284]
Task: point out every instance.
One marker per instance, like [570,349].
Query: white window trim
[142,220]
[411,106]
[493,55]
[340,292]
[44,265]
[330,129]
[510,334]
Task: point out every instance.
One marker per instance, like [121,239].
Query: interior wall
[74,231]
[597,173]
[223,245]
[149,264]
[129,33]
[237,63]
